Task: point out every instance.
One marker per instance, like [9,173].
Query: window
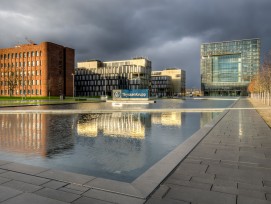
[29,63]
[33,54]
[33,63]
[37,53]
[29,54]
[24,54]
[38,63]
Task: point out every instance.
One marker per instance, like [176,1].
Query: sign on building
[130,94]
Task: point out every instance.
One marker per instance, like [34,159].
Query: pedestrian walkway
[232,164]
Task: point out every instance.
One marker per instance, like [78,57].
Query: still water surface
[119,146]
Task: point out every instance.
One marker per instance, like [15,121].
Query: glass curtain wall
[228,67]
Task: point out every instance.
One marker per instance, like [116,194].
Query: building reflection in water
[38,134]
[113,145]
[206,117]
[116,138]
[126,125]
[167,119]
[129,125]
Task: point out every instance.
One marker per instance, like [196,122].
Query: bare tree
[260,86]
[11,80]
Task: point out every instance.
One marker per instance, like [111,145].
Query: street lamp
[73,85]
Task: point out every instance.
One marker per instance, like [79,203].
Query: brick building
[36,70]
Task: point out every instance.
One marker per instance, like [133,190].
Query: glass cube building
[228,67]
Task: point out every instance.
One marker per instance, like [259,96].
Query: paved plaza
[232,164]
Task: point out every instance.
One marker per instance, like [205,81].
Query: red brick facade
[46,69]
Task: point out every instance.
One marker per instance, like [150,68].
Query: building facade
[228,67]
[168,82]
[36,70]
[96,78]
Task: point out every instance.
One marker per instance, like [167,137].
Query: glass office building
[228,67]
[97,78]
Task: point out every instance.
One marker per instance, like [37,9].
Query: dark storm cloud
[168,32]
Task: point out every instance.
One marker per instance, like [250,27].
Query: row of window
[161,86]
[20,55]
[20,82]
[96,93]
[161,82]
[25,73]
[21,64]
[20,92]
[115,70]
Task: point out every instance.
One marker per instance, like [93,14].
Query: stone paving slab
[57,195]
[6,193]
[31,198]
[66,176]
[86,200]
[231,164]
[112,197]
[22,186]
[54,184]
[233,159]
[24,178]
[23,168]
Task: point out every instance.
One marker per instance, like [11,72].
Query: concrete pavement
[232,164]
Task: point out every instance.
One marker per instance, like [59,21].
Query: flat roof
[231,41]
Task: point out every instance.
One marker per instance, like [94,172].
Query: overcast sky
[167,32]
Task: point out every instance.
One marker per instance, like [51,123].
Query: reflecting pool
[119,146]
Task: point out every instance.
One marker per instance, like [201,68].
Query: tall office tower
[228,67]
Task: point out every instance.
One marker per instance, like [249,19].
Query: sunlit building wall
[168,82]
[43,69]
[96,78]
[228,67]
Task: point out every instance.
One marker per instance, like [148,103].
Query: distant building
[193,92]
[228,67]
[36,70]
[96,78]
[168,82]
